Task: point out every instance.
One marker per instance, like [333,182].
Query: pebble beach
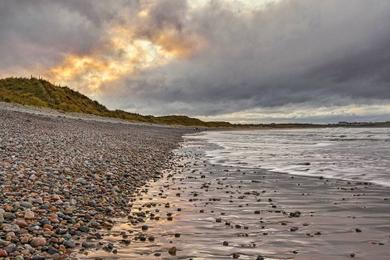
[64,178]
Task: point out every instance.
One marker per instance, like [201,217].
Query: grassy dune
[41,93]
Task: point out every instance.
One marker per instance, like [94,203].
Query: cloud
[163,57]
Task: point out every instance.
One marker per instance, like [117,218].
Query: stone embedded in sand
[172,251]
[225,243]
[260,257]
[88,244]
[236,255]
[144,227]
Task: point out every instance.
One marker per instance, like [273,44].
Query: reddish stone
[3,253]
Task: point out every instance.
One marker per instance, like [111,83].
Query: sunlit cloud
[126,51]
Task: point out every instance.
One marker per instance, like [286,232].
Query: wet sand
[203,211]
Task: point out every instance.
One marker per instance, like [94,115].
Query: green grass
[41,93]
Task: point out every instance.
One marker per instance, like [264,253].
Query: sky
[242,61]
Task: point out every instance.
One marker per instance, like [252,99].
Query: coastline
[67,183]
[64,178]
[200,210]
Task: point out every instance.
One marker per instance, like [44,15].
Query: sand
[204,211]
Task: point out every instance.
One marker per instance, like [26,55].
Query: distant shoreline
[84,116]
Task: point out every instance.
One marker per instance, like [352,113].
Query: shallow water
[361,154]
[250,209]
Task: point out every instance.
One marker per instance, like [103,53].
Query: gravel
[64,180]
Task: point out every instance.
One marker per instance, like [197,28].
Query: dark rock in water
[225,243]
[304,163]
[293,229]
[358,230]
[260,257]
[295,214]
[236,255]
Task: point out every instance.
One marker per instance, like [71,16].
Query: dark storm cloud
[324,52]
[317,53]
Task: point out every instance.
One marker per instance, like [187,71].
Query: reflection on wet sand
[203,211]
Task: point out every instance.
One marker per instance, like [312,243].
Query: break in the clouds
[285,60]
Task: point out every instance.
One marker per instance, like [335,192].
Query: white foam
[361,154]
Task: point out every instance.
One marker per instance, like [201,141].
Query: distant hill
[41,93]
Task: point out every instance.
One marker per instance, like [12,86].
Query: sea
[354,154]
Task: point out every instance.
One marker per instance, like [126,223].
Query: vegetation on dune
[41,93]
